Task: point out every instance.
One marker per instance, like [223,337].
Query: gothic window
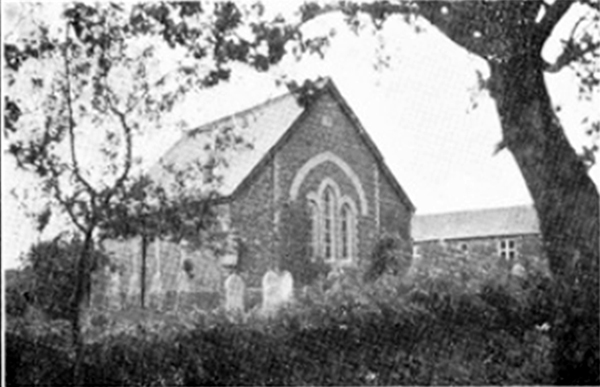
[333,223]
[313,211]
[329,207]
[346,231]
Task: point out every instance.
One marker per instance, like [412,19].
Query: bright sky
[417,110]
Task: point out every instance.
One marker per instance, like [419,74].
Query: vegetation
[346,332]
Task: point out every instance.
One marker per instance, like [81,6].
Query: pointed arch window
[313,211]
[346,232]
[333,224]
[329,222]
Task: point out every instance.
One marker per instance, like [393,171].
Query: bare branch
[58,195]
[127,132]
[71,124]
[573,50]
[551,18]
[571,53]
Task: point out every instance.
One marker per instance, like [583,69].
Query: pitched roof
[251,133]
[257,132]
[508,221]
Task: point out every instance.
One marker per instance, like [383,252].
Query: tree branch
[571,53]
[58,195]
[552,16]
[71,124]
[453,22]
[127,132]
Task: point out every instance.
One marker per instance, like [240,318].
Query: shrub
[51,279]
[342,331]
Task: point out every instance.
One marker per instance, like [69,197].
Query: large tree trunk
[567,204]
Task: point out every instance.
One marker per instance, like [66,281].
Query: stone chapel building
[310,185]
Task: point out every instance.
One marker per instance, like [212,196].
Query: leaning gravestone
[277,290]
[234,293]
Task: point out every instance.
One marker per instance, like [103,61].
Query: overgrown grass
[341,332]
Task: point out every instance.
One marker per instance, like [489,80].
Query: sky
[418,109]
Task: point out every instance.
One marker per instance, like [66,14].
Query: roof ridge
[321,83]
[208,126]
[472,210]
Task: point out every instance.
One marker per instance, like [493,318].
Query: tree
[510,36]
[89,86]
[52,276]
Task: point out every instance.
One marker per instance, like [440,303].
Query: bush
[342,331]
[51,275]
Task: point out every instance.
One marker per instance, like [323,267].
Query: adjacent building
[511,234]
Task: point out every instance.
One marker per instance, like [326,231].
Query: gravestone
[277,290]
[235,290]
[287,287]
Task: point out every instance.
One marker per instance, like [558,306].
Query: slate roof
[507,221]
[257,130]
[260,130]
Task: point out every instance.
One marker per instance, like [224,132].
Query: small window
[416,251]
[508,249]
[464,247]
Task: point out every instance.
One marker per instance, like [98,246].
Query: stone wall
[265,202]
[528,248]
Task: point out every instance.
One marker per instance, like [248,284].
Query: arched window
[313,212]
[329,207]
[333,224]
[346,231]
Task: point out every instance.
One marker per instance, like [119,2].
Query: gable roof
[507,221]
[258,132]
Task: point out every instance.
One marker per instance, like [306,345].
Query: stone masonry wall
[528,248]
[259,209]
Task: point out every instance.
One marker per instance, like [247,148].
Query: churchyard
[439,321]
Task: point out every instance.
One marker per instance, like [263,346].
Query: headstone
[235,290]
[287,287]
[277,290]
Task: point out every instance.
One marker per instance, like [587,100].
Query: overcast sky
[418,110]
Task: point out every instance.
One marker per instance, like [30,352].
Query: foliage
[347,340]
[51,280]
[15,292]
[387,255]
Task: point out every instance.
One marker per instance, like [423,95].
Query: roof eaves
[269,155]
[370,144]
[483,236]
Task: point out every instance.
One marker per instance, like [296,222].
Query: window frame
[327,242]
[507,249]
[348,236]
